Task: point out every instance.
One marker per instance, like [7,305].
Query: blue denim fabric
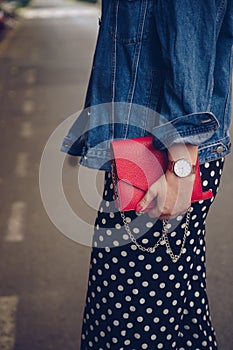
[162,68]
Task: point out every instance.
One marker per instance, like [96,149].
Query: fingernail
[138,207]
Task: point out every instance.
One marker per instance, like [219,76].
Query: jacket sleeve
[187,33]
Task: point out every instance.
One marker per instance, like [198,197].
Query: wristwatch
[181,167]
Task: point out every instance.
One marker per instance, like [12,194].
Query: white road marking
[30,13]
[15,229]
[28,106]
[21,164]
[30,76]
[8,310]
[26,129]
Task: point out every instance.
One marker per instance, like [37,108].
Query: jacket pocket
[129,20]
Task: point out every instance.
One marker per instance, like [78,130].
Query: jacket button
[219,149]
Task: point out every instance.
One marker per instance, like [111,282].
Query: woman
[161,68]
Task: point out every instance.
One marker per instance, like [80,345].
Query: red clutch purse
[136,165]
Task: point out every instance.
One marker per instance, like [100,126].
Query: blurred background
[46,50]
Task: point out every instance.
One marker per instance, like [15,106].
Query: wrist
[183,151]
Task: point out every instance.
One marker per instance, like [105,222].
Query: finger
[166,216]
[147,199]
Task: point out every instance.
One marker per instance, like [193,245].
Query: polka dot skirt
[140,300]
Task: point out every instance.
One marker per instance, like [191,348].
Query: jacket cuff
[193,128]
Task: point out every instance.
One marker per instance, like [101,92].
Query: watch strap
[171,163]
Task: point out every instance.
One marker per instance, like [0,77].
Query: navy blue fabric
[137,300]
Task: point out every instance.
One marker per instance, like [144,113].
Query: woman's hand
[172,196]
[170,193]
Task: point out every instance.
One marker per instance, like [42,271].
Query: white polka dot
[108,232]
[118,305]
[146,328]
[140,319]
[205,183]
[149,310]
[128,298]
[156,234]
[136,230]
[118,226]
[137,336]
[137,274]
[145,284]
[144,346]
[156,320]
[131,263]
[130,281]
[159,302]
[120,288]
[141,257]
[148,267]
[152,293]
[125,315]
[124,253]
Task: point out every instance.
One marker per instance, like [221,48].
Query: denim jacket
[161,67]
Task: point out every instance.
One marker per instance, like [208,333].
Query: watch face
[182,168]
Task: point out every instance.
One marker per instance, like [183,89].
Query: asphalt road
[44,69]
